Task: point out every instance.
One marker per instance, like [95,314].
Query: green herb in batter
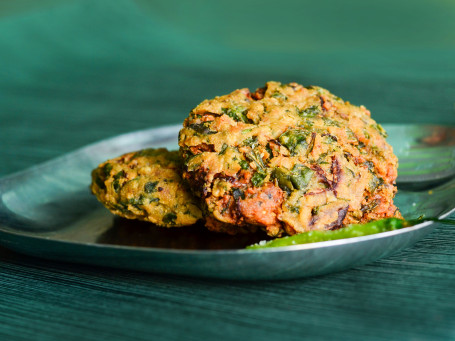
[370,165]
[99,182]
[375,182]
[269,150]
[370,206]
[238,193]
[315,211]
[298,178]
[116,182]
[294,209]
[294,139]
[376,151]
[119,175]
[107,169]
[301,176]
[361,147]
[122,207]
[322,159]
[279,95]
[254,155]
[350,134]
[251,142]
[283,178]
[244,164]
[137,202]
[236,113]
[169,218]
[330,122]
[150,187]
[256,159]
[380,130]
[258,178]
[202,128]
[312,111]
[311,144]
[329,139]
[223,149]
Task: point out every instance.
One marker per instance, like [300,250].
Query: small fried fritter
[287,159]
[146,185]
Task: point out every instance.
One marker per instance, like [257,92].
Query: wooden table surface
[80,71]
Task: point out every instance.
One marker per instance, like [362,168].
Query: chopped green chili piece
[350,231]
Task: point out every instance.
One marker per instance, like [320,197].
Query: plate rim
[297,247]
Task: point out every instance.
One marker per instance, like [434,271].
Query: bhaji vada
[287,159]
[146,185]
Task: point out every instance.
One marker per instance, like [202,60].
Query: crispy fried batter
[146,185]
[287,159]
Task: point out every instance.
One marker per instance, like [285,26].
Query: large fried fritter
[287,159]
[146,185]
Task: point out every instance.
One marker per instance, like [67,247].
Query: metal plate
[47,211]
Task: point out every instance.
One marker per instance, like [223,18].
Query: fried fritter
[287,159]
[146,185]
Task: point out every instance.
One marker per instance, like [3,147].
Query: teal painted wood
[406,296]
[86,70]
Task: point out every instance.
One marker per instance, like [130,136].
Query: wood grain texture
[87,70]
[409,294]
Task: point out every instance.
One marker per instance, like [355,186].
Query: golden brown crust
[287,159]
[146,185]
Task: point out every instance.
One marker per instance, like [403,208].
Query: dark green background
[74,72]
